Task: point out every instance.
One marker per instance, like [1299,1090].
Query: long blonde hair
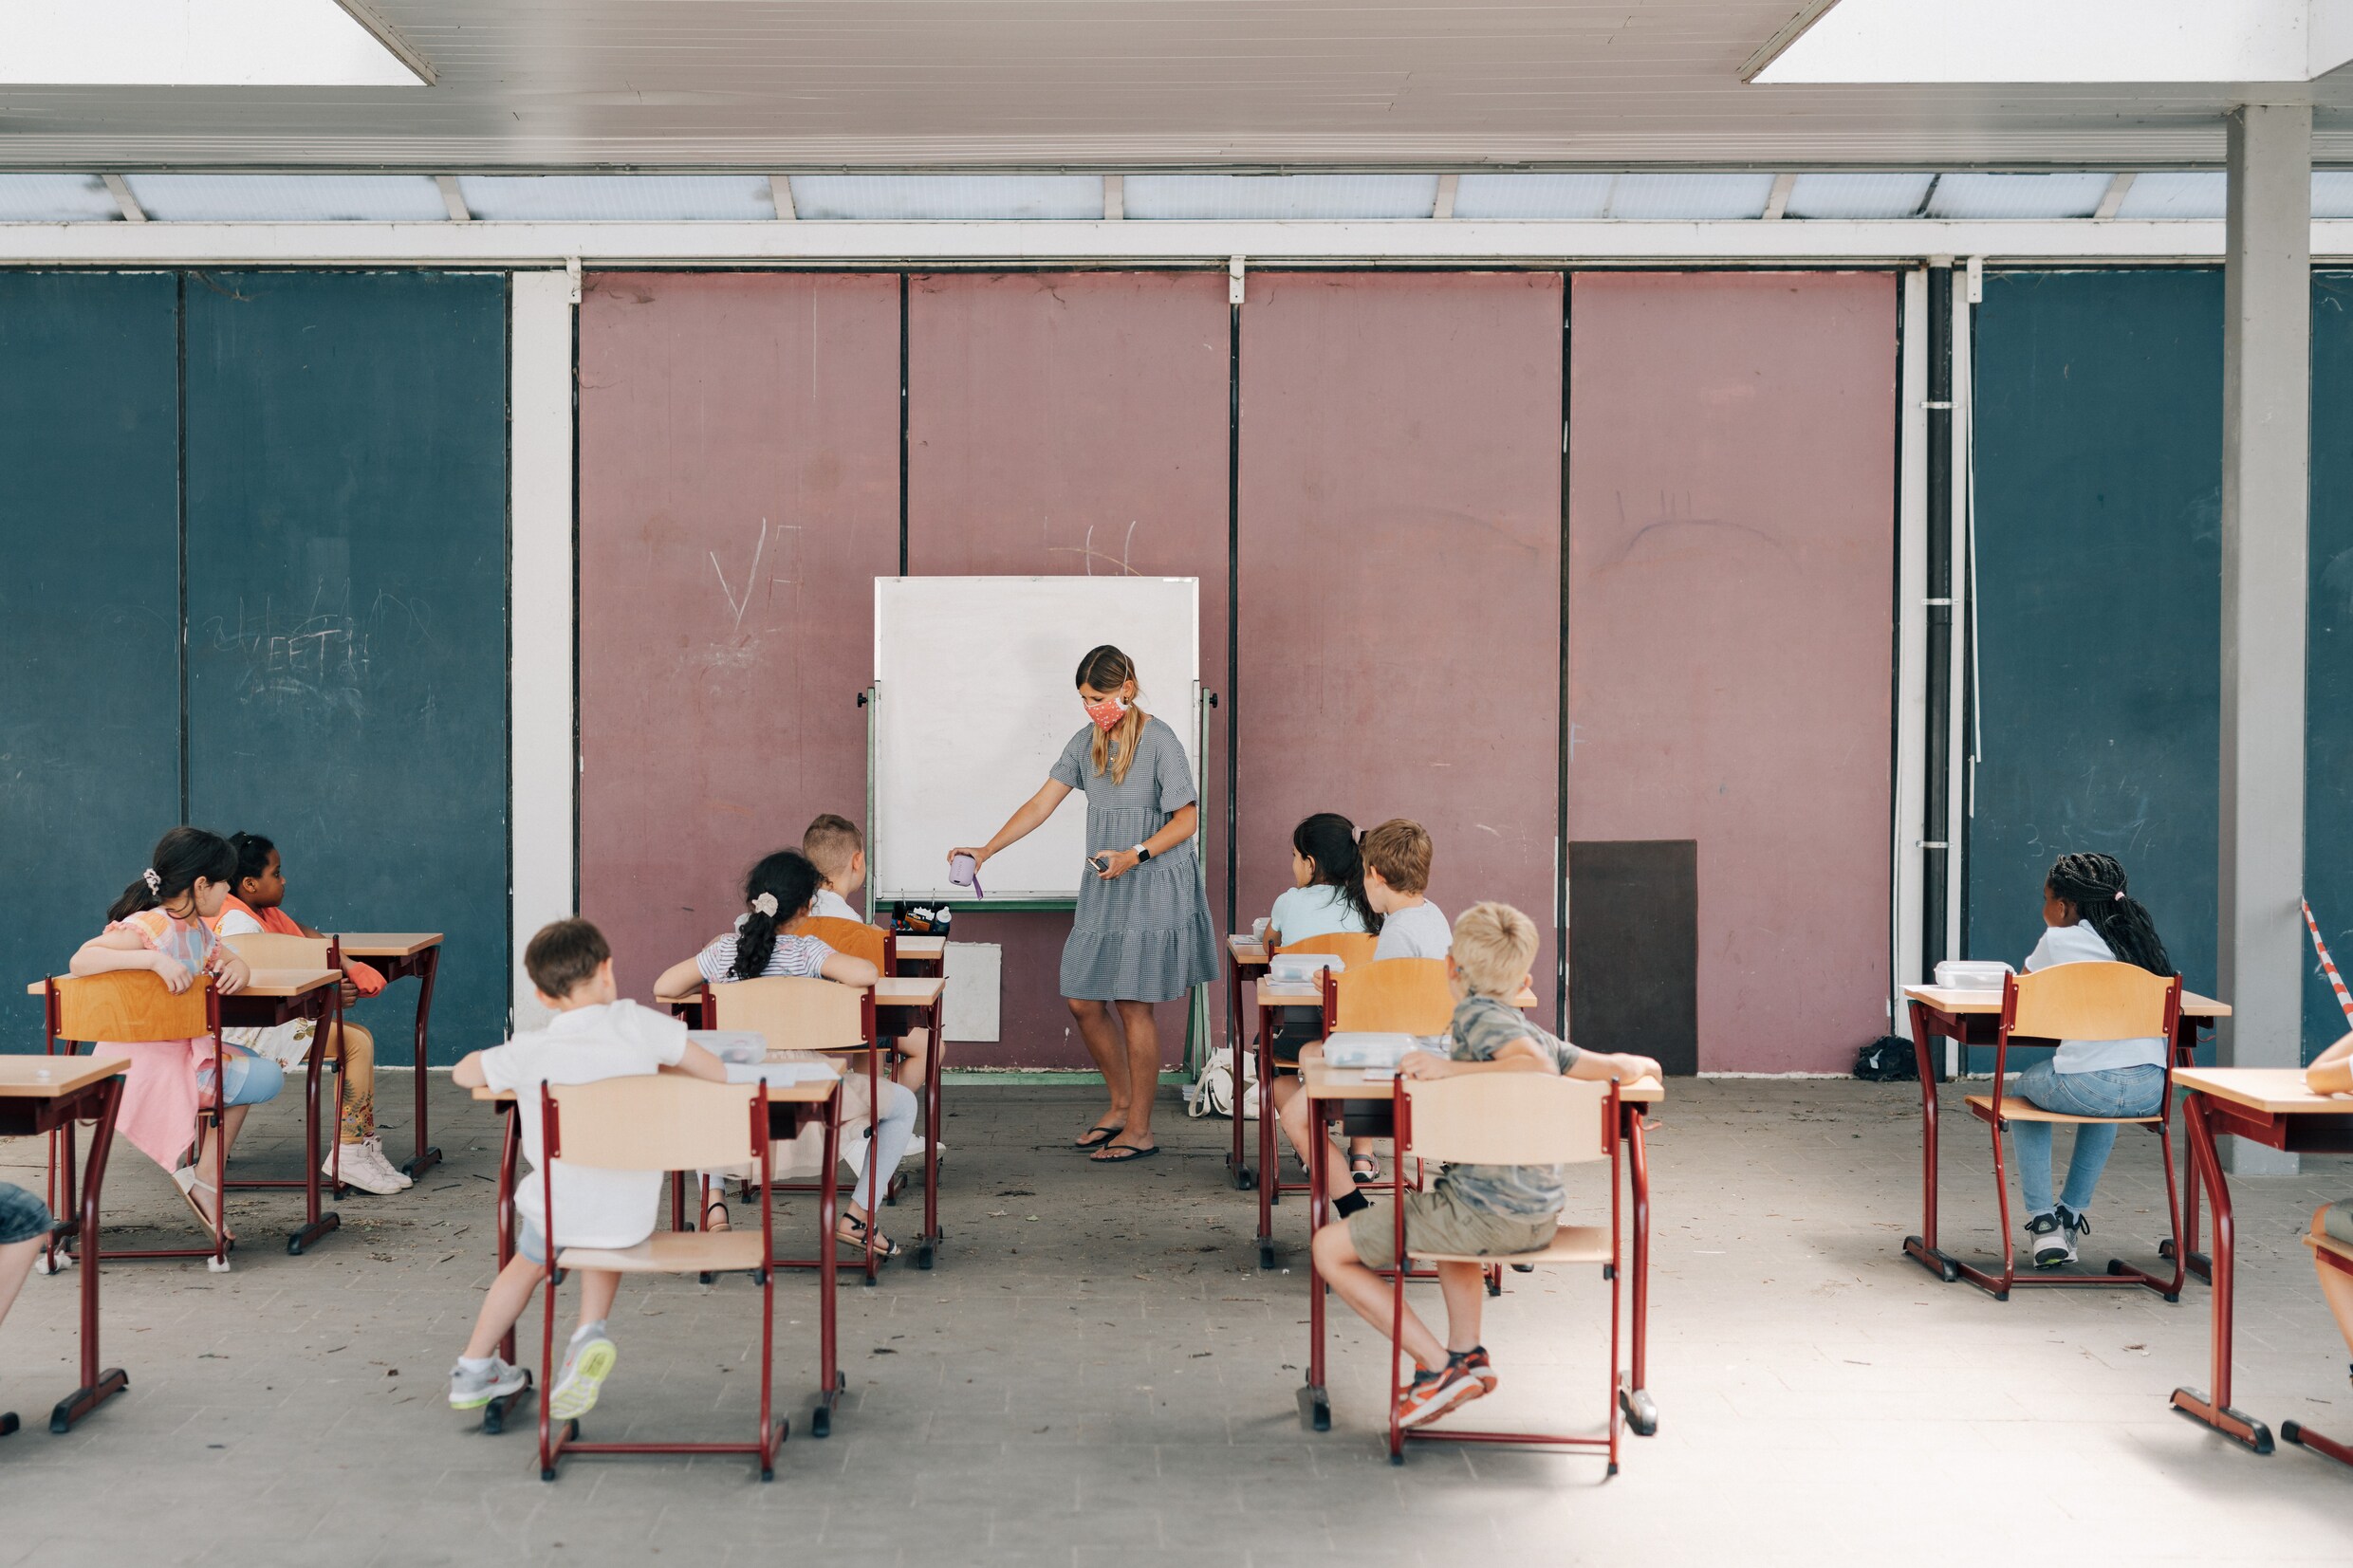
[1105,669]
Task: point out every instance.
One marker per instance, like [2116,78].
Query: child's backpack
[1888,1060]
[1212,1092]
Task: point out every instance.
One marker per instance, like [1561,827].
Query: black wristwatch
[1143,852]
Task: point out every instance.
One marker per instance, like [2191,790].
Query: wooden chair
[1406,996]
[664,1121]
[130,1008]
[268,950]
[2337,1256]
[872,943]
[1509,1119]
[796,1013]
[1352,947]
[2082,1002]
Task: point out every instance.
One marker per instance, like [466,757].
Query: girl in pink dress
[158,924]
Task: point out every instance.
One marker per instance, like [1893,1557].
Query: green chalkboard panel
[89,605]
[2328,695]
[2098,473]
[346,485]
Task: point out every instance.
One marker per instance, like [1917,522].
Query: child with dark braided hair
[2091,920]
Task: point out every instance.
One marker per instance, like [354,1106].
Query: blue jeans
[22,1215]
[2109,1092]
[252,1078]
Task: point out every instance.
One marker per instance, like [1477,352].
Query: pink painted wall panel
[1066,424]
[1399,601]
[738,494]
[1732,532]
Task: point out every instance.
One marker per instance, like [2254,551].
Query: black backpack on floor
[1888,1060]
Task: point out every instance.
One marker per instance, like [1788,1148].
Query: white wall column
[543,764]
[2266,456]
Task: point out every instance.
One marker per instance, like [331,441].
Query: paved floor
[1099,1373]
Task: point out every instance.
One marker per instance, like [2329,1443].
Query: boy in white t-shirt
[838,850]
[1397,876]
[594,1036]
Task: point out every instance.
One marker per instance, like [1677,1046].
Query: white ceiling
[1116,84]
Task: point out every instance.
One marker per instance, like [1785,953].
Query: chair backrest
[662,1121]
[796,1013]
[2091,1002]
[1505,1118]
[1351,947]
[130,1005]
[872,943]
[269,949]
[1406,996]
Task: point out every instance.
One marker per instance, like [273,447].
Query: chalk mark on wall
[1093,555]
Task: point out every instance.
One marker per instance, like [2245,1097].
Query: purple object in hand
[965,873]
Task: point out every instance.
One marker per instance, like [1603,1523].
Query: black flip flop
[1088,1140]
[1121,1156]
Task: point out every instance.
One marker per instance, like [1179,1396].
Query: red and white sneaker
[1433,1393]
[1474,1362]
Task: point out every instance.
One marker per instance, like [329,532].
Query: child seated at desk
[838,850]
[2331,1073]
[1397,882]
[1326,898]
[158,924]
[594,1036]
[1488,1210]
[258,905]
[779,891]
[2091,921]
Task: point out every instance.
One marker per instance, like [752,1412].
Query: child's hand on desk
[1633,1068]
[230,973]
[1422,1064]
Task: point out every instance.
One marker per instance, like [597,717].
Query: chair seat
[2017,1109]
[1571,1244]
[2339,1254]
[673,1252]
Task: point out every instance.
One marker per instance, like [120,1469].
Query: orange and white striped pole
[2328,964]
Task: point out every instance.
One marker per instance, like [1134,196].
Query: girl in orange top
[158,924]
[258,905]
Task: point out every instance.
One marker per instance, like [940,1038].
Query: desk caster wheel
[821,1421]
[1613,1468]
[923,1256]
[1266,1254]
[1641,1412]
[1495,1284]
[1315,1410]
[1245,1179]
[1397,1458]
[8,1423]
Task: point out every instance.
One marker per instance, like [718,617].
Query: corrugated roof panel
[56,198]
[2069,196]
[1278,196]
[2176,194]
[1857,196]
[1560,197]
[2332,194]
[641,198]
[951,197]
[287,198]
[1690,196]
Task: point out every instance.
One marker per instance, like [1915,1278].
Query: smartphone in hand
[1100,862]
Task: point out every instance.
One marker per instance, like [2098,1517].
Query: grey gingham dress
[1145,936]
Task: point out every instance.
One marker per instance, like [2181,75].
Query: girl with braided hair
[2091,920]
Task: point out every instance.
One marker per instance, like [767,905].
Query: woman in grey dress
[1143,932]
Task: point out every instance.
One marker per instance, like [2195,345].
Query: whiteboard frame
[949,897]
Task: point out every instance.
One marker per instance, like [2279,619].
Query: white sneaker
[365,1167]
[376,1142]
[915,1152]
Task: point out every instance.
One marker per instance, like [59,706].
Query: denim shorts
[529,1243]
[23,1217]
[250,1078]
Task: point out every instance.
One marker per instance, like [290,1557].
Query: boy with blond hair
[595,1035]
[838,850]
[1483,1211]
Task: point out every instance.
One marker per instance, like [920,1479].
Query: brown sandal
[883,1246]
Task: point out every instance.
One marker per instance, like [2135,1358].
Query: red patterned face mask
[1108,712]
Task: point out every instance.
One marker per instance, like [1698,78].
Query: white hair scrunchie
[154,883]
[2119,896]
[766,904]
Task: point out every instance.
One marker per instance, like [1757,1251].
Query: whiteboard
[974,698]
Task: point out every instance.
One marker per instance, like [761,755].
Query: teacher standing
[1143,932]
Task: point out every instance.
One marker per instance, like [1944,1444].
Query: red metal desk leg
[2216,1411]
[1922,1247]
[326,1026]
[510,1153]
[1270,1176]
[927,1246]
[96,1386]
[1315,1402]
[2185,1055]
[428,966]
[829,1383]
[1641,1410]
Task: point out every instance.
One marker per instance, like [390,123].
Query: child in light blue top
[1326,894]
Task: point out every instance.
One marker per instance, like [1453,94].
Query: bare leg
[15,1262]
[1367,1295]
[1142,1072]
[1291,1109]
[598,1286]
[1110,1054]
[1464,1286]
[2336,1287]
[916,1046]
[509,1294]
[206,1199]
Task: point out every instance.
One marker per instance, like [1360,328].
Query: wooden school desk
[1272,997]
[268,999]
[397,955]
[909,1000]
[929,952]
[790,1107]
[1330,1089]
[2269,1106]
[1248,964]
[1975,1018]
[42,1093]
